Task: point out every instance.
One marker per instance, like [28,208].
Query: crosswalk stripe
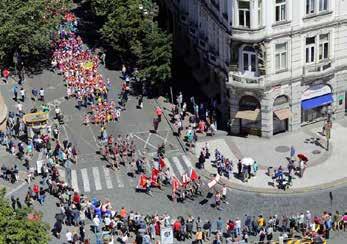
[178,165]
[97,180]
[108,178]
[167,162]
[74,182]
[85,180]
[119,181]
[187,161]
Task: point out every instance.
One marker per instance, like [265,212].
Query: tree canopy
[26,27]
[130,28]
[15,227]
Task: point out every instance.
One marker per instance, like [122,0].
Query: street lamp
[328,125]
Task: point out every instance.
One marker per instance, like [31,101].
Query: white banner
[166,235]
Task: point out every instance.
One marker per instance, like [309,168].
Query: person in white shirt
[42,94]
[69,236]
[96,222]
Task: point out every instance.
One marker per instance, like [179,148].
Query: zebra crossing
[98,178]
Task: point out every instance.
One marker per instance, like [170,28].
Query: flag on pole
[193,175]
[185,179]
[161,163]
[154,177]
[175,183]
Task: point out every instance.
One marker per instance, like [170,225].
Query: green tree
[26,27]
[16,228]
[155,60]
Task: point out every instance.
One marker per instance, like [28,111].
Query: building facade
[288,65]
[274,65]
[202,38]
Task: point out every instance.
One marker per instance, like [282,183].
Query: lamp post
[328,125]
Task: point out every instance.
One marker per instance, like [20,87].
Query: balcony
[322,68]
[236,79]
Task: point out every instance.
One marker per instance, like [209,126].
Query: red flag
[175,183]
[142,181]
[193,175]
[161,163]
[154,176]
[185,179]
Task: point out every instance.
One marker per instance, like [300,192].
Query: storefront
[249,115]
[281,114]
[315,102]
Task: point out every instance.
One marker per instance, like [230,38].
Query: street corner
[219,144]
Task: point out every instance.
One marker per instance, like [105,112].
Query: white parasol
[247,161]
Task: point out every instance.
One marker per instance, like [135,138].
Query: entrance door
[279,126]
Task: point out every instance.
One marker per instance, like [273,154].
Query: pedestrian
[155,124]
[15,92]
[218,200]
[5,74]
[42,94]
[140,102]
[19,204]
[57,228]
[103,58]
[22,94]
[124,71]
[69,236]
[13,202]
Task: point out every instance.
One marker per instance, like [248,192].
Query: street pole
[171,94]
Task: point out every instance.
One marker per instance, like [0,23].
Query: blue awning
[317,102]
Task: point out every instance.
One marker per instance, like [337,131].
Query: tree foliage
[131,30]
[16,228]
[26,26]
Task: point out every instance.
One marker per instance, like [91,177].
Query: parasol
[302,157]
[88,65]
[247,161]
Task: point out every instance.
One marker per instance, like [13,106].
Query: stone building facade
[288,64]
[275,65]
[202,35]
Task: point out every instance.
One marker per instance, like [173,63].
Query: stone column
[253,12]
[266,116]
[295,101]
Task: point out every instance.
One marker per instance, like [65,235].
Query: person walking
[22,94]
[5,74]
[42,94]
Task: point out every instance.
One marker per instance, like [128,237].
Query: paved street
[93,178]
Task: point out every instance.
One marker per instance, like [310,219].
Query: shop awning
[248,114]
[317,102]
[283,114]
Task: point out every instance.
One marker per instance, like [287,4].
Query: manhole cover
[282,149]
[316,152]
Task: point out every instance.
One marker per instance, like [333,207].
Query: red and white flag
[185,179]
[175,183]
[154,177]
[142,181]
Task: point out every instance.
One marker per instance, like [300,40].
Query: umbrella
[302,157]
[247,161]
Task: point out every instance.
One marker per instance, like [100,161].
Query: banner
[166,235]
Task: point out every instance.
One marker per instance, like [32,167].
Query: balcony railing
[318,68]
[246,81]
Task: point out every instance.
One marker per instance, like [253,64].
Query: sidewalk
[325,169]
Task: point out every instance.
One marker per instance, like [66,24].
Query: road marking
[15,189]
[145,142]
[119,181]
[91,131]
[167,162]
[85,180]
[148,138]
[74,183]
[178,165]
[107,178]
[97,181]
[187,161]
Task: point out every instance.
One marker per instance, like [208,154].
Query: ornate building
[276,65]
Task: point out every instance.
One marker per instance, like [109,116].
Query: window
[310,6]
[323,5]
[260,12]
[281,56]
[244,17]
[249,60]
[281,12]
[323,46]
[310,49]
[316,6]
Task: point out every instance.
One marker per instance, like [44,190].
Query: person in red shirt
[5,74]
[177,229]
[76,198]
[36,190]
